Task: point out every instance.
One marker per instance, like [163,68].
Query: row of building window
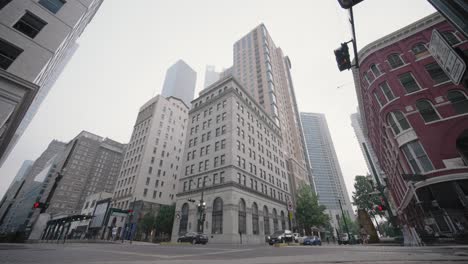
[397,121]
[30,25]
[217,218]
[202,181]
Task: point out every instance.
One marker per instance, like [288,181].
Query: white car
[300,239]
[296,237]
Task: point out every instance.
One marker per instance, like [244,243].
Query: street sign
[449,60]
[290,205]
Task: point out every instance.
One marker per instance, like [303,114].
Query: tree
[308,212]
[364,196]
[353,226]
[147,223]
[165,219]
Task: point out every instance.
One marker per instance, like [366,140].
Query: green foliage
[353,226]
[308,212]
[147,222]
[165,219]
[386,229]
[363,196]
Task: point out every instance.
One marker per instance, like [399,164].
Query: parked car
[343,239]
[194,238]
[313,241]
[280,236]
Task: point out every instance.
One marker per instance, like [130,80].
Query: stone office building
[233,161]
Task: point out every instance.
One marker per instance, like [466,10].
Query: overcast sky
[126,49]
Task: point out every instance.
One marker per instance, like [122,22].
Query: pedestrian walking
[363,234]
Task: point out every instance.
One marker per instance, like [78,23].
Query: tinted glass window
[29,25]
[52,5]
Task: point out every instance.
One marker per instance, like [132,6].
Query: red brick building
[417,122]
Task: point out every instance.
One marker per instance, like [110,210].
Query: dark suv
[194,238]
[280,236]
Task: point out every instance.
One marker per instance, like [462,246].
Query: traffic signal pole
[353,30]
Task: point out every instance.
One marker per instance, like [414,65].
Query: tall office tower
[211,76]
[28,182]
[372,162]
[93,166]
[21,212]
[152,161]
[233,162]
[16,183]
[180,82]
[37,39]
[329,182]
[264,72]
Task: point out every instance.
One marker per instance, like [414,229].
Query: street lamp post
[201,208]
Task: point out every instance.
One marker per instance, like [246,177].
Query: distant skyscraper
[33,57]
[211,75]
[329,181]
[368,153]
[152,162]
[180,82]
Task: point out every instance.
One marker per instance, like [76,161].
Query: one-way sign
[452,64]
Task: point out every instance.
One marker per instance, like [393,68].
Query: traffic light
[346,4]
[203,217]
[380,208]
[342,57]
[38,205]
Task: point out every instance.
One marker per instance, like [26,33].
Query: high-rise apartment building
[180,82]
[37,39]
[234,162]
[416,120]
[329,181]
[264,72]
[17,181]
[152,162]
[93,166]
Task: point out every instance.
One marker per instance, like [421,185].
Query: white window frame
[417,159]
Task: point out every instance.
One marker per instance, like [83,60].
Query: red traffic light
[36,205]
[342,57]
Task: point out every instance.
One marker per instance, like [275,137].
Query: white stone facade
[152,162]
[233,152]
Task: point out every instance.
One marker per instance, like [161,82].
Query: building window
[266,221]
[419,50]
[387,91]
[375,70]
[450,37]
[395,61]
[52,5]
[437,74]
[398,122]
[8,54]
[408,82]
[217,216]
[29,25]
[3,3]
[275,220]
[184,219]
[417,157]
[242,217]
[427,111]
[255,227]
[283,221]
[459,101]
[379,99]
[145,192]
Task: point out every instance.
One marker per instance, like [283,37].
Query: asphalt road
[144,253]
